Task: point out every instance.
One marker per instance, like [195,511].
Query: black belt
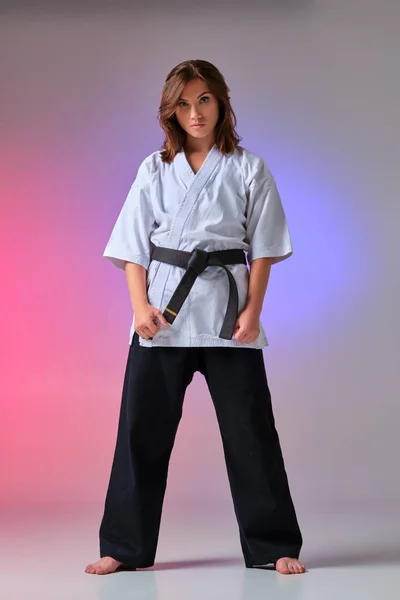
[195,263]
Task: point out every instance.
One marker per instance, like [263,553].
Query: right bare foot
[103,566]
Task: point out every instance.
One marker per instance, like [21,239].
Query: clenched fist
[148,320]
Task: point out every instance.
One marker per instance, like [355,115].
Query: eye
[206,98]
[182,103]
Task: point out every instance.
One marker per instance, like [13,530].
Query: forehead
[194,88]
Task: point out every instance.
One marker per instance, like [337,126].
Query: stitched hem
[200,341]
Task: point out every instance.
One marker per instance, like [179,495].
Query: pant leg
[154,387]
[263,505]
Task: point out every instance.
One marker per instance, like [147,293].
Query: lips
[198,126]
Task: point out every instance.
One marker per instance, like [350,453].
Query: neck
[201,146]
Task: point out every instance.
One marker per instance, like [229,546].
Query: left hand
[247,327]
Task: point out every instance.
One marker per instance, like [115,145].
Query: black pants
[154,387]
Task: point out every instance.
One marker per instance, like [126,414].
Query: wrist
[253,308]
[140,304]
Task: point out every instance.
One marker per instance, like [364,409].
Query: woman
[193,210]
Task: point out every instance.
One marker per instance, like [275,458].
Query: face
[197,105]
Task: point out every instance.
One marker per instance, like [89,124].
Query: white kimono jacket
[231,202]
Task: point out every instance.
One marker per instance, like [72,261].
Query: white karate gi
[231,202]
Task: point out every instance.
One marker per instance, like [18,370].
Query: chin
[195,133]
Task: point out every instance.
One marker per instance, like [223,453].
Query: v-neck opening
[211,151]
[186,173]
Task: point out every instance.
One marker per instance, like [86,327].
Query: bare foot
[289,566]
[103,566]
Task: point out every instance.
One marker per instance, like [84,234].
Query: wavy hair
[226,138]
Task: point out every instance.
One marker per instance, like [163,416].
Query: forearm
[136,277]
[260,269]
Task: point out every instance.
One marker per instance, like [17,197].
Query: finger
[162,319]
[149,332]
[239,336]
[145,333]
[243,335]
[153,327]
[142,333]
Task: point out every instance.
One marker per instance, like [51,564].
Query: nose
[194,114]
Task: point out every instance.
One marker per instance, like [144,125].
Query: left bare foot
[289,566]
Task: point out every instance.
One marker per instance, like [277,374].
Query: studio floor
[347,555]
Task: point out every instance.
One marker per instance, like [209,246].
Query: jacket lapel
[194,184]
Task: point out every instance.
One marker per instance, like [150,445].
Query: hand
[147,321]
[247,327]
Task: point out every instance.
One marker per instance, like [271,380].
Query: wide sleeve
[267,230]
[130,238]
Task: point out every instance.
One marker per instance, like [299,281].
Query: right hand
[148,320]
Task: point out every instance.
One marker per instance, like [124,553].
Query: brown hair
[226,138]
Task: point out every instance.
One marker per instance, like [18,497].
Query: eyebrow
[197,96]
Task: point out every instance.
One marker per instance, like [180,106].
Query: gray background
[315,86]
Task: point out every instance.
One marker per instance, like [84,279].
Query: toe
[283,569]
[289,566]
[282,566]
[298,567]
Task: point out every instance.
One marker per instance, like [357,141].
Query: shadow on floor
[197,562]
[373,556]
[339,559]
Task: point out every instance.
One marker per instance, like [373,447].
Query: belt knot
[198,261]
